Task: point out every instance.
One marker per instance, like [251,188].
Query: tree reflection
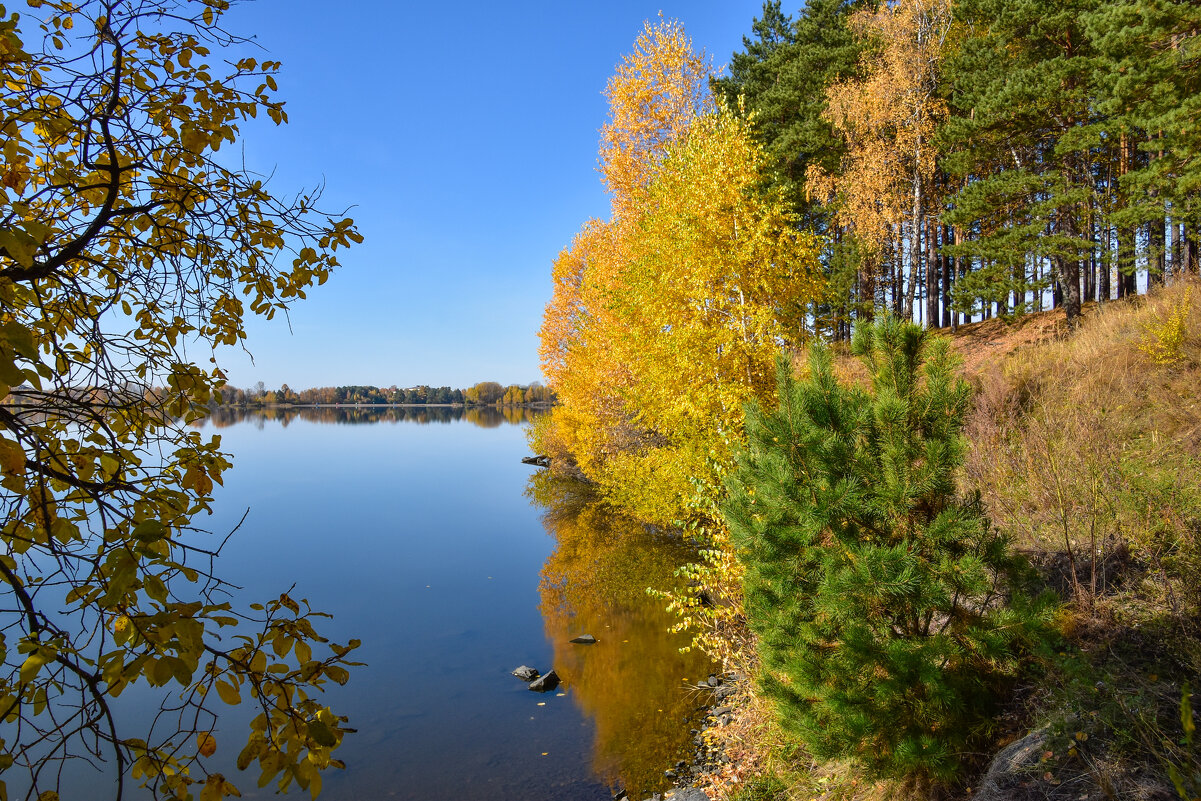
[483,416]
[632,682]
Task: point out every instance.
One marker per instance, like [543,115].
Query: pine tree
[1148,80]
[1022,138]
[885,606]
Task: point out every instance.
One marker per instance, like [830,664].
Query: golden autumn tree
[129,253]
[888,118]
[576,347]
[660,87]
[717,278]
[666,319]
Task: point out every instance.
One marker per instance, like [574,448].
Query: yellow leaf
[214,788]
[206,744]
[12,457]
[193,140]
[229,693]
[32,664]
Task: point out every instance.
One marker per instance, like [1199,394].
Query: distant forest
[485,393]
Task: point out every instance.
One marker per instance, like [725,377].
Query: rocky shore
[706,757]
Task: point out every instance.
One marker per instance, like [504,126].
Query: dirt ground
[980,344]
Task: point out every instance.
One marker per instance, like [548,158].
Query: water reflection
[632,682]
[482,416]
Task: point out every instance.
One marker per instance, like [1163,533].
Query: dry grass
[1086,448]
[757,749]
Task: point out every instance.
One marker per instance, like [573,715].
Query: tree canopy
[666,318]
[130,252]
[981,158]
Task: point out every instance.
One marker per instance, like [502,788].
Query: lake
[424,536]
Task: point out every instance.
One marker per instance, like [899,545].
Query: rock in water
[526,673]
[584,639]
[545,684]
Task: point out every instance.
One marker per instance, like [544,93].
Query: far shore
[534,405]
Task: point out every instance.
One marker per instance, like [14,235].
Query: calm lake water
[424,536]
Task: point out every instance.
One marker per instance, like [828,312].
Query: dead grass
[1085,447]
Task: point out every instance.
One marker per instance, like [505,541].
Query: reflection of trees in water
[632,682]
[483,416]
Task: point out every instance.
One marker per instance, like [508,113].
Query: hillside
[1085,448]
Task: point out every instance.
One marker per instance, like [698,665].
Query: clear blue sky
[465,136]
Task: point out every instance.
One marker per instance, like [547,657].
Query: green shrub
[884,604]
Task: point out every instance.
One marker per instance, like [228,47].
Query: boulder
[584,639]
[544,684]
[690,794]
[1013,764]
[526,673]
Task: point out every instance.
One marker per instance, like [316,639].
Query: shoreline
[252,407]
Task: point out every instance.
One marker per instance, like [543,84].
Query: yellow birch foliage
[659,88]
[667,319]
[577,332]
[887,119]
[718,277]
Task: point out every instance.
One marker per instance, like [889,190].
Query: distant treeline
[482,416]
[485,393]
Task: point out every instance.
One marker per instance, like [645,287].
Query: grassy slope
[1086,449]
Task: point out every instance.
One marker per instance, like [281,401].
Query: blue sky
[465,137]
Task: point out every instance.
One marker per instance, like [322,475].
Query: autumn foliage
[129,255]
[666,318]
